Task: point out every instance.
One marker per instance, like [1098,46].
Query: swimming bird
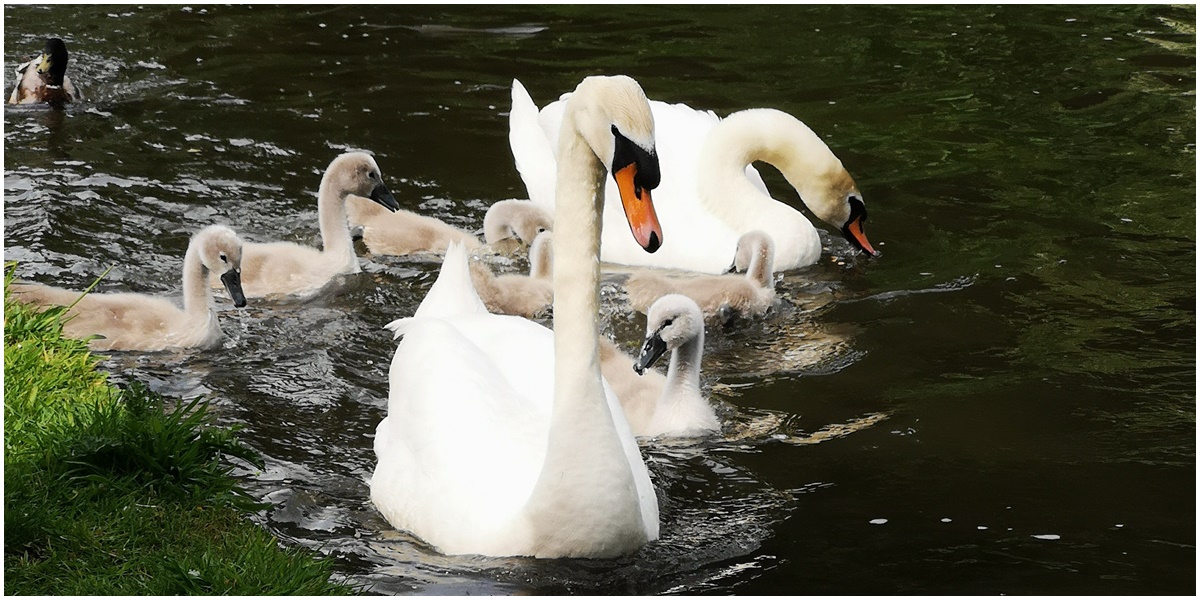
[720,297]
[44,79]
[402,232]
[520,295]
[128,321]
[659,406]
[520,219]
[286,268]
[710,194]
[501,437]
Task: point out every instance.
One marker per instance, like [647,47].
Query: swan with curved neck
[710,194]
[285,268]
[128,321]
[501,436]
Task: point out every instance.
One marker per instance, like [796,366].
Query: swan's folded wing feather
[532,151]
[466,430]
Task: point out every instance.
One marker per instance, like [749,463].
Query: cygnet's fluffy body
[521,295]
[288,269]
[128,321]
[719,296]
[657,405]
[403,232]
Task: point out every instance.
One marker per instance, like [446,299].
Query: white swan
[656,405]
[285,268]
[710,195]
[501,437]
[520,295]
[402,232]
[719,296]
[130,321]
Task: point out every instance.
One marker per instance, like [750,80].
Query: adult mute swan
[285,268]
[520,295]
[129,321]
[710,195]
[44,79]
[719,296]
[501,437]
[656,405]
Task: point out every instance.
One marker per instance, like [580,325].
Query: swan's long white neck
[197,296]
[585,461]
[336,244]
[787,144]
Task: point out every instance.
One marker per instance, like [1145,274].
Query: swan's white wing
[533,152]
[647,499]
[466,429]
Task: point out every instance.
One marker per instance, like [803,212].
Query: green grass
[108,491]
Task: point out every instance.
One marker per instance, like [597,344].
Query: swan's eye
[224,259]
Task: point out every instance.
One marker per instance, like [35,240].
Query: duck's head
[357,173]
[221,252]
[613,116]
[671,322]
[52,64]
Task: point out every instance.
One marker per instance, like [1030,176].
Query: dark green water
[1004,402]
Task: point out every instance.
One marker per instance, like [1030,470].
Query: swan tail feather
[453,292]
[533,154]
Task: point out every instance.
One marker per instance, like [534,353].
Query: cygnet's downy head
[221,252]
[519,219]
[672,321]
[356,173]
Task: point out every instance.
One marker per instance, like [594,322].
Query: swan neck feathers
[781,140]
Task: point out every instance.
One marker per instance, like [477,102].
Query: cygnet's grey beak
[233,284]
[653,348]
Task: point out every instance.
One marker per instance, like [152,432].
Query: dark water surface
[1004,402]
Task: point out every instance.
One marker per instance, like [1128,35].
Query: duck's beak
[44,63]
[853,229]
[233,284]
[653,348]
[639,209]
[385,198]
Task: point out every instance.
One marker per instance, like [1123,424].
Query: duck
[129,321]
[44,80]
[660,406]
[278,269]
[710,194]
[720,297]
[521,295]
[521,220]
[501,437]
[402,232]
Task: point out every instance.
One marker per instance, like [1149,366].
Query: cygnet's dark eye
[541,230]
[224,259]
[371,174]
[668,322]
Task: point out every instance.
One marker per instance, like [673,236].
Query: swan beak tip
[639,209]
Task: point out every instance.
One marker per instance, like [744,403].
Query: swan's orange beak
[854,232]
[639,209]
